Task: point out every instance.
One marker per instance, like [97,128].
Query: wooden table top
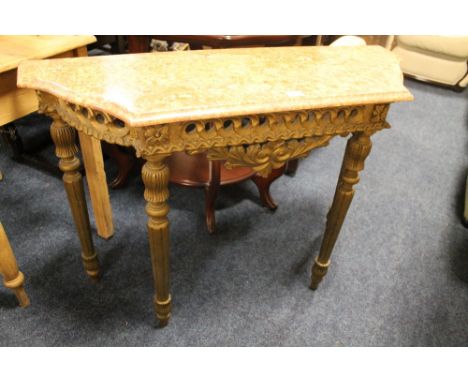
[154,88]
[14,49]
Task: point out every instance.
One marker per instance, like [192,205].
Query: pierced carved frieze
[198,136]
[204,134]
[92,122]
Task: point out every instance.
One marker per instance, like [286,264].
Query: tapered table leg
[357,150]
[12,277]
[211,193]
[66,149]
[99,194]
[155,174]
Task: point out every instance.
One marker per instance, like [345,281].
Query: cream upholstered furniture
[281,104]
[439,59]
[349,41]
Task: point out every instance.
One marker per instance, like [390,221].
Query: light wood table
[12,277]
[256,107]
[16,103]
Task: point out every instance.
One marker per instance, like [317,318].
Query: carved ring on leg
[319,271]
[163,310]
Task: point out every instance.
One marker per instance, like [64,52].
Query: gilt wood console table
[256,108]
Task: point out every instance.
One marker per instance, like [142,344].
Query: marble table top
[154,88]
[15,49]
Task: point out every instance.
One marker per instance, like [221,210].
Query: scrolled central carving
[264,157]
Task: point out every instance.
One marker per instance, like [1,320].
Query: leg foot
[319,271]
[263,185]
[163,311]
[91,265]
[22,297]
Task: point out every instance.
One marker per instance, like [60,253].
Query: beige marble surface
[15,49]
[153,88]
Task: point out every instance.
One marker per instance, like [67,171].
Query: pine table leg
[13,278]
[357,150]
[66,149]
[155,175]
[97,184]
[96,177]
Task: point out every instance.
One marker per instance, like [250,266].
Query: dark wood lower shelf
[194,171]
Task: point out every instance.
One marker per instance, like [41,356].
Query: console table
[255,108]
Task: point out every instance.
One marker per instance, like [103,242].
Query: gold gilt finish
[357,150]
[65,148]
[155,175]
[265,157]
[255,107]
[263,142]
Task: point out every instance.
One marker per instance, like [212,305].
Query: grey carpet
[399,274]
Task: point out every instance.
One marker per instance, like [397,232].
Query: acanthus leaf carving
[265,157]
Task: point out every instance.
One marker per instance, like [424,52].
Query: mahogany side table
[282,103]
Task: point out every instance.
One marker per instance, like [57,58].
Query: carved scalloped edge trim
[233,131]
[92,122]
[230,131]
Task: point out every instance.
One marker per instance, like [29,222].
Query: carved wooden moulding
[262,142]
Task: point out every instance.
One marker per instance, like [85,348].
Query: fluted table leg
[12,277]
[65,148]
[357,150]
[155,174]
